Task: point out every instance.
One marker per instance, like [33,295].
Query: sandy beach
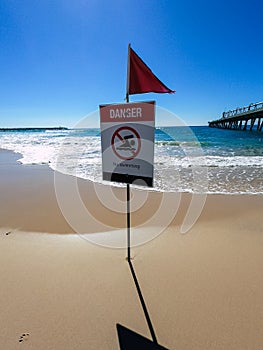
[59,290]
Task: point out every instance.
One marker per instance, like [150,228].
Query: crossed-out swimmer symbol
[129,148]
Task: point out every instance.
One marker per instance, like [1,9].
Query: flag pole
[128,185]
[128,74]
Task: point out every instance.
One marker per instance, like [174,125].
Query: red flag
[141,78]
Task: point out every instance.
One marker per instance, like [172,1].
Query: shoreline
[30,201]
[214,170]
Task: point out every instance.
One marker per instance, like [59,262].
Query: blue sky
[60,59]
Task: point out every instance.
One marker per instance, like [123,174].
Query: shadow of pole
[147,316]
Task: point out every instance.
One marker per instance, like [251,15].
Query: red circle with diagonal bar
[120,142]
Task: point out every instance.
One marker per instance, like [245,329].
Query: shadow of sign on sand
[130,340]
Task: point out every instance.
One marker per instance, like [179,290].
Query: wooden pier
[241,118]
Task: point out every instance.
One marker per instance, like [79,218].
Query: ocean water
[195,159]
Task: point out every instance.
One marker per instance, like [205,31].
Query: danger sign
[127,140]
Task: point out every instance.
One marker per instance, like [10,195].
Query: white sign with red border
[127,142]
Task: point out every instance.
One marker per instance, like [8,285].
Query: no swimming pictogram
[126,143]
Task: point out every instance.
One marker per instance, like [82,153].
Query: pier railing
[241,118]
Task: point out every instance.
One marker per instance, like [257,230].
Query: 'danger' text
[126,113]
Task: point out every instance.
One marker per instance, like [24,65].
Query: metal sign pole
[128,225]
[128,185]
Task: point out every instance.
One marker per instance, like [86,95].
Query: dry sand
[203,289]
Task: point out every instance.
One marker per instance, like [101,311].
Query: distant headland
[34,129]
